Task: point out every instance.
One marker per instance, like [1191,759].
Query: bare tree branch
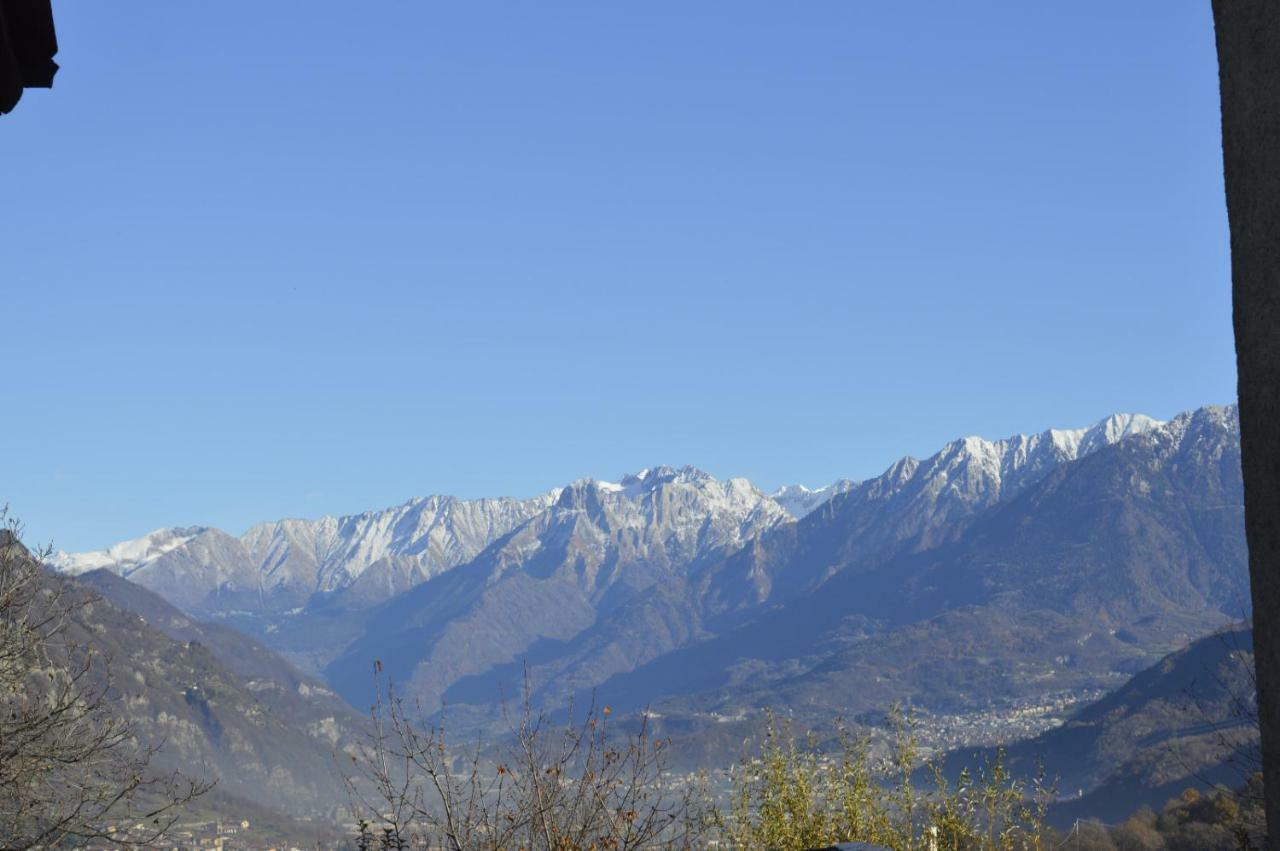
[71,768]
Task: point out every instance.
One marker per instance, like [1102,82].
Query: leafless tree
[565,787]
[71,769]
[1233,727]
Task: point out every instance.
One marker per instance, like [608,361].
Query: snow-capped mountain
[599,548]
[913,505]
[615,577]
[127,556]
[594,584]
[278,566]
[991,570]
[662,519]
[985,470]
[360,560]
[799,500]
[971,474]
[999,464]
[1075,578]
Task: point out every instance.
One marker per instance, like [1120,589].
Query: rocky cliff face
[590,555]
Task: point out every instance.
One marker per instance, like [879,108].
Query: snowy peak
[976,467]
[1001,467]
[1076,443]
[677,511]
[798,500]
[127,556]
[657,489]
[280,565]
[1119,426]
[911,507]
[658,526]
[651,478]
[1194,432]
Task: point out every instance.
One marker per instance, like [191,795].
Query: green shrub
[794,796]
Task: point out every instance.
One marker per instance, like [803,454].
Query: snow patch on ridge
[427,536]
[125,557]
[988,465]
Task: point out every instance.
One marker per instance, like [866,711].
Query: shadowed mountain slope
[263,732]
[580,564]
[288,692]
[1087,575]
[1190,720]
[989,572]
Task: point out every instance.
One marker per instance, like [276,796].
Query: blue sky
[268,260]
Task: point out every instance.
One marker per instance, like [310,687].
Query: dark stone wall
[1248,36]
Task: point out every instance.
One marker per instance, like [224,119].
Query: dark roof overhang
[27,48]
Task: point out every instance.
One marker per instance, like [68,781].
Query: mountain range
[359,560]
[969,584]
[1068,584]
[278,566]
[1065,559]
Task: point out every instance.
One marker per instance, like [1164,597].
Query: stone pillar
[1248,37]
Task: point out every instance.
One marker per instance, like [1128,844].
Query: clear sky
[268,259]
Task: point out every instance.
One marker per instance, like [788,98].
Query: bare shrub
[565,787]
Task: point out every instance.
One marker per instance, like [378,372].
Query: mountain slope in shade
[590,556]
[1105,564]
[1190,720]
[670,638]
[264,737]
[913,506]
[285,690]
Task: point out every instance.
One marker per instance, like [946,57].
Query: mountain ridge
[1088,549]
[1111,559]
[285,565]
[847,569]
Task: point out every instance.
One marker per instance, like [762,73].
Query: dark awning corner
[27,47]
